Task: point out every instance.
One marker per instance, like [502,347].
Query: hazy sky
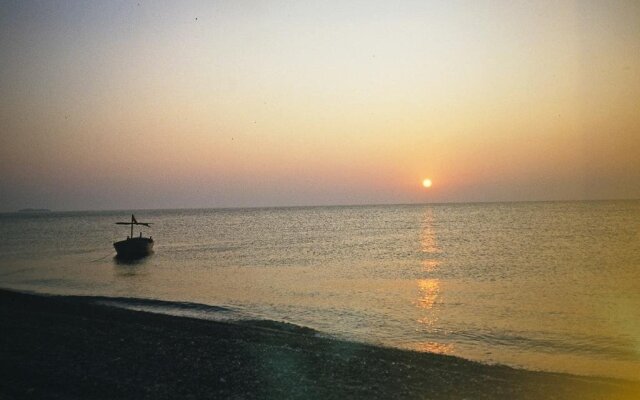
[114,104]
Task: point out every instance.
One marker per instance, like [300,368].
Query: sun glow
[426,183]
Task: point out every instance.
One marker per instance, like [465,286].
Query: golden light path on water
[428,288]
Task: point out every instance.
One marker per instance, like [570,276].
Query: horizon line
[258,207]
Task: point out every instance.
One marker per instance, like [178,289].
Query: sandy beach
[65,347]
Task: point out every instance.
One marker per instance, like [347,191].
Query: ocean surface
[549,286]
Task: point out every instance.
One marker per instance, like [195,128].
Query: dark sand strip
[67,348]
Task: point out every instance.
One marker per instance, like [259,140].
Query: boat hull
[134,248]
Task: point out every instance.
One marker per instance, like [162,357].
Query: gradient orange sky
[109,105]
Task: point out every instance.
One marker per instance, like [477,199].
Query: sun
[426,183]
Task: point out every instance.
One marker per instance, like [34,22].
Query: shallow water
[552,286]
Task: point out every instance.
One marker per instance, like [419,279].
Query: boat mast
[132,223]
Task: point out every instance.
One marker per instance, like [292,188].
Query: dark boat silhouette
[134,247]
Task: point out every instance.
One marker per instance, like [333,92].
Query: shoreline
[66,347]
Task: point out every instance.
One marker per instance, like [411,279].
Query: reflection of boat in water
[134,247]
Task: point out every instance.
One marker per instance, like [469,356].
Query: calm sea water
[549,286]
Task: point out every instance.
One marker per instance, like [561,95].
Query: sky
[154,104]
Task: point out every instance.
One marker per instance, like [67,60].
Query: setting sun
[426,183]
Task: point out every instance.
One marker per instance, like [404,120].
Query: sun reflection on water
[428,242]
[429,289]
[433,347]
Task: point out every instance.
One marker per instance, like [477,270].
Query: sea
[552,286]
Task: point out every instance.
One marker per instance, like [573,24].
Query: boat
[134,247]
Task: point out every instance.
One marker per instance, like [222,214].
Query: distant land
[34,210]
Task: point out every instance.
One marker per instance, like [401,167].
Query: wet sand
[69,348]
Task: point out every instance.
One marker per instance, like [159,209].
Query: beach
[68,347]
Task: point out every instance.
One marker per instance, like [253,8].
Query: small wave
[279,326]
[549,343]
[196,310]
[153,303]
